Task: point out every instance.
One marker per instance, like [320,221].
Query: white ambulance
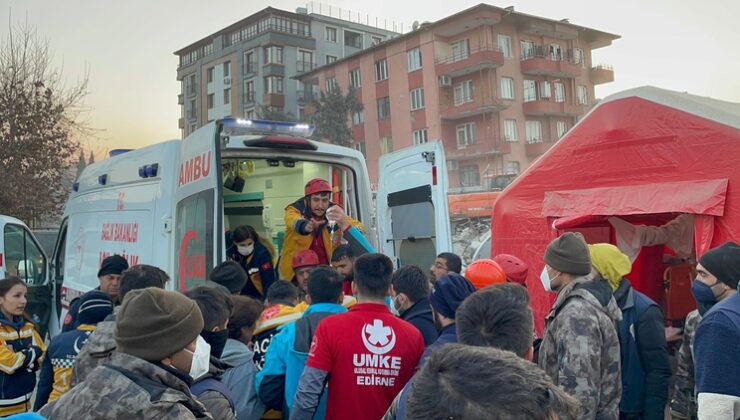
[170,204]
[21,255]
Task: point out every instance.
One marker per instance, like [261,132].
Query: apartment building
[498,87]
[254,62]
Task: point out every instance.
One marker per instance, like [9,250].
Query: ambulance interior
[256,192]
[661,248]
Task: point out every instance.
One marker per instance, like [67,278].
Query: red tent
[643,157]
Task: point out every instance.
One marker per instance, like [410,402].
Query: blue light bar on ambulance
[243,127]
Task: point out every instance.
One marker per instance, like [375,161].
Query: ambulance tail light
[149,171]
[434,175]
[103,179]
[76,186]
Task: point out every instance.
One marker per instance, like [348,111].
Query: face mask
[201,359]
[704,296]
[397,306]
[245,250]
[545,279]
[217,341]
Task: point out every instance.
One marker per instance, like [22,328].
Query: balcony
[478,106]
[249,68]
[181,123]
[541,61]
[478,150]
[273,99]
[248,98]
[553,108]
[485,57]
[602,73]
[181,99]
[537,148]
[273,69]
[307,96]
[304,66]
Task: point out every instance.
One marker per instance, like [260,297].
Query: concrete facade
[254,62]
[498,87]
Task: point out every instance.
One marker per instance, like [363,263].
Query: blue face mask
[704,296]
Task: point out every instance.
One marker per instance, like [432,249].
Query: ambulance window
[24,257]
[194,240]
[413,225]
[61,251]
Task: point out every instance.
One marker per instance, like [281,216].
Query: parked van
[22,255]
[170,204]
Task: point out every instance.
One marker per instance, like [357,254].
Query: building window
[210,100]
[512,168]
[582,95]
[250,65]
[414,58]
[249,91]
[227,69]
[330,59]
[301,114]
[249,113]
[209,75]
[190,84]
[559,92]
[556,53]
[273,55]
[562,127]
[331,85]
[578,56]
[384,108]
[463,92]
[504,45]
[420,136]
[274,84]
[527,48]
[460,50]
[465,134]
[352,39]
[192,128]
[355,79]
[530,90]
[534,131]
[469,176]
[305,61]
[507,88]
[386,145]
[360,147]
[358,117]
[510,131]
[381,70]
[192,112]
[376,40]
[330,34]
[545,90]
[417,99]
[227,96]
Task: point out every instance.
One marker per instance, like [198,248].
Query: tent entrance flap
[706,197]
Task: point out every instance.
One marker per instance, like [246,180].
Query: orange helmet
[484,273]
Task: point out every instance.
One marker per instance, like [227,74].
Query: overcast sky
[684,45]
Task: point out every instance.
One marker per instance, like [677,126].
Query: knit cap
[115,264]
[230,275]
[723,262]
[153,323]
[569,254]
[449,292]
[611,263]
[94,307]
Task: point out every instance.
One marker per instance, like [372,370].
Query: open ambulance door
[413,218]
[197,218]
[22,256]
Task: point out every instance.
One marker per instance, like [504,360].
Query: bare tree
[40,127]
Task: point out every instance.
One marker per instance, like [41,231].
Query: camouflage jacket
[580,348]
[98,349]
[126,387]
[683,405]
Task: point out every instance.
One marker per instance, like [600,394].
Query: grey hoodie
[240,380]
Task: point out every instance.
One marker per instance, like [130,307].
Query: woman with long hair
[21,348]
[255,255]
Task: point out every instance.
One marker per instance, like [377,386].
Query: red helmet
[516,270]
[316,186]
[484,273]
[305,258]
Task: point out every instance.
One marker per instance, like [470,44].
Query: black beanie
[153,323]
[569,254]
[449,292]
[723,262]
[115,264]
[231,275]
[94,307]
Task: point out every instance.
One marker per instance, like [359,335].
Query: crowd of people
[346,336]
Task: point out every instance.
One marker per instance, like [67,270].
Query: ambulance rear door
[412,215]
[198,211]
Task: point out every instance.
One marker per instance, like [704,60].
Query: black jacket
[420,316]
